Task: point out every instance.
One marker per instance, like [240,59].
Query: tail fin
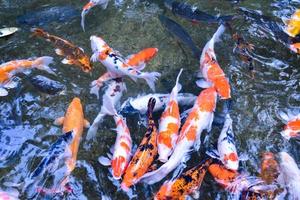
[151,104]
[151,78]
[43,63]
[218,33]
[83,13]
[94,127]
[95,88]
[177,86]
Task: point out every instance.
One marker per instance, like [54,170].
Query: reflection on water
[26,115]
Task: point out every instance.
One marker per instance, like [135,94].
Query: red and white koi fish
[289,175]
[210,69]
[119,66]
[113,94]
[169,125]
[9,69]
[200,118]
[122,148]
[89,6]
[292,127]
[226,146]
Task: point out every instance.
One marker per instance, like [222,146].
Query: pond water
[26,115]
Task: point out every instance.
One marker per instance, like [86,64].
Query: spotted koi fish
[293,24]
[200,118]
[211,71]
[145,154]
[269,168]
[292,127]
[9,69]
[119,66]
[186,184]
[74,55]
[169,124]
[92,3]
[123,144]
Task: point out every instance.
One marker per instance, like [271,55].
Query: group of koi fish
[171,143]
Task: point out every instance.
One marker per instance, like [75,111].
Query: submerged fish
[169,124]
[46,85]
[211,71]
[119,66]
[269,168]
[200,118]
[292,127]
[122,148]
[8,31]
[185,184]
[293,25]
[139,103]
[48,15]
[194,14]
[74,55]
[11,68]
[145,153]
[86,9]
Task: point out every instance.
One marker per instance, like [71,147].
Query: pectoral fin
[203,84]
[59,52]
[67,62]
[104,161]
[59,121]
[86,123]
[3,92]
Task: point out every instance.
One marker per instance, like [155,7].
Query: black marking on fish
[46,85]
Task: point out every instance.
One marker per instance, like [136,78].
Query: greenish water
[26,118]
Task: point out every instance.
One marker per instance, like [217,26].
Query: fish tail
[151,78]
[151,104]
[43,63]
[177,86]
[82,20]
[94,127]
[218,33]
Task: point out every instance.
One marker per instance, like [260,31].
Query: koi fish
[169,125]
[293,25]
[122,148]
[211,71]
[200,118]
[145,154]
[269,168]
[74,55]
[139,103]
[46,85]
[289,175]
[226,146]
[11,68]
[86,9]
[180,33]
[295,47]
[137,60]
[292,127]
[119,66]
[113,93]
[186,184]
[194,14]
[73,121]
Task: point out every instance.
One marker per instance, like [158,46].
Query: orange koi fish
[74,55]
[169,124]
[73,121]
[11,68]
[89,6]
[118,66]
[211,71]
[293,24]
[186,184]
[200,118]
[145,154]
[269,168]
[122,147]
[292,127]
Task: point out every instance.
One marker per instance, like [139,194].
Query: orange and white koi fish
[226,146]
[11,68]
[113,93]
[73,121]
[74,55]
[145,154]
[210,69]
[269,168]
[119,66]
[89,6]
[289,175]
[169,125]
[186,184]
[200,118]
[122,148]
[293,24]
[292,127]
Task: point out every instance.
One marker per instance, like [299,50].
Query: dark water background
[26,118]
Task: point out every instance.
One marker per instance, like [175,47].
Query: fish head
[85,64]
[97,44]
[207,100]
[164,191]
[76,104]
[231,161]
[118,165]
